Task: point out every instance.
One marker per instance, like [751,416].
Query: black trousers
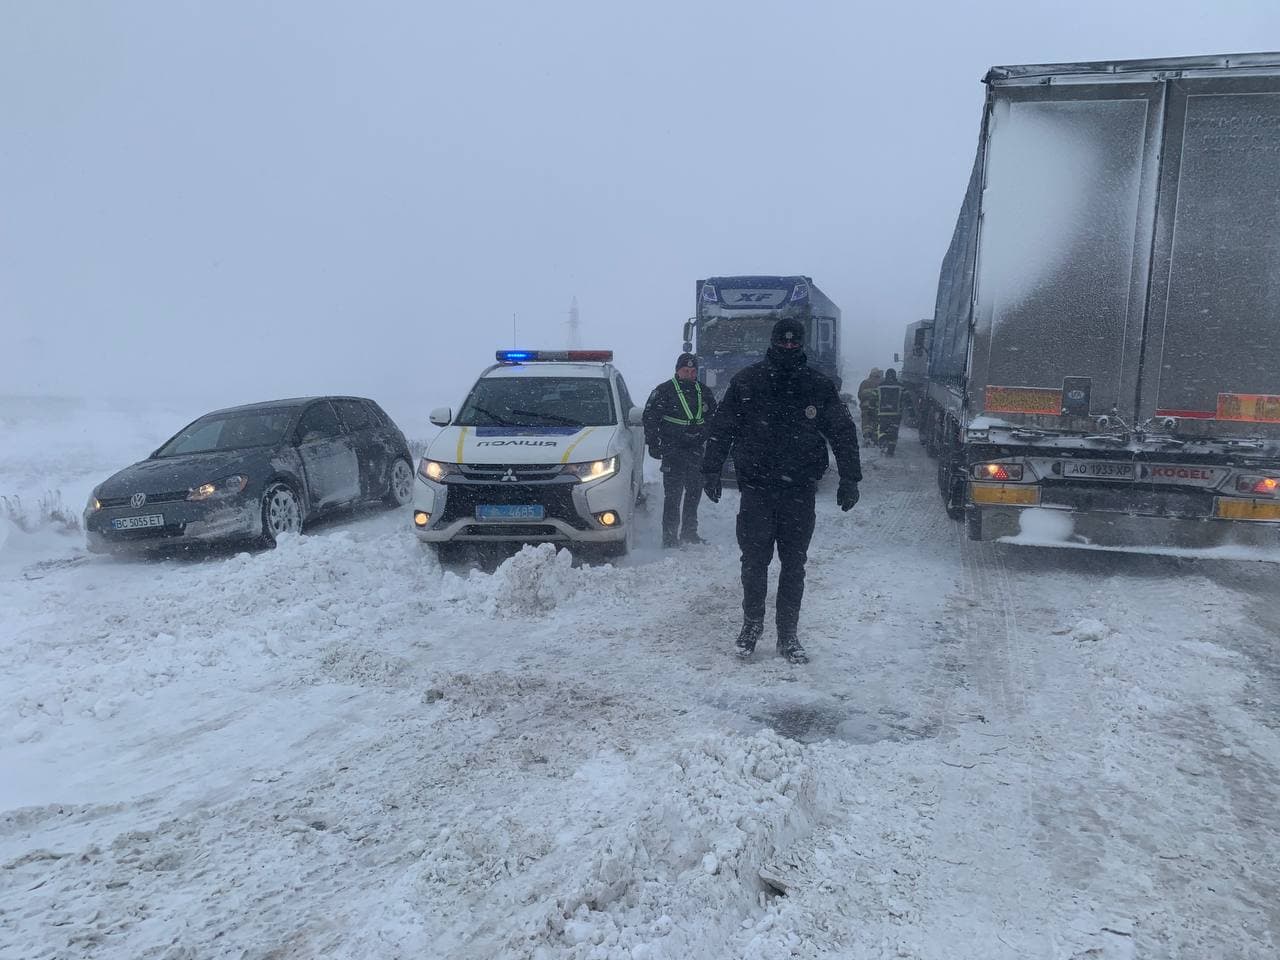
[769,516]
[681,492]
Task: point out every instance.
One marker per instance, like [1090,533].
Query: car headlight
[436,470]
[218,489]
[94,504]
[594,469]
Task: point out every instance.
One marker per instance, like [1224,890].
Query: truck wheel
[951,486]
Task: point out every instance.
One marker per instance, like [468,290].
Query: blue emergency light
[547,356]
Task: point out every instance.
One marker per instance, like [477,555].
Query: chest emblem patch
[811,412]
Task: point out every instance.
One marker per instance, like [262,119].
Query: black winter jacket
[665,431]
[776,424]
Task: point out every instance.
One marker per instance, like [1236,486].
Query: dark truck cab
[1106,339]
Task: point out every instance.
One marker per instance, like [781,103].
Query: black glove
[712,486]
[847,494]
[655,451]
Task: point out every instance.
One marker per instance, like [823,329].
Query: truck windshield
[735,334]
[539,402]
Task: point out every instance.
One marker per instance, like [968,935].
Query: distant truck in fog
[733,317]
[1106,336]
[915,369]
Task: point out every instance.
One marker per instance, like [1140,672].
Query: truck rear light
[998,493]
[1264,486]
[997,471]
[1229,508]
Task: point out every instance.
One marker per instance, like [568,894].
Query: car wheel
[401,488]
[281,512]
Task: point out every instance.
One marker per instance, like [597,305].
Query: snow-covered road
[337,749]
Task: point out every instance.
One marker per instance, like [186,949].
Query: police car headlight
[436,469]
[594,470]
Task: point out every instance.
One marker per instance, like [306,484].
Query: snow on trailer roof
[1118,70]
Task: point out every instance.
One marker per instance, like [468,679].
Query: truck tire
[951,477]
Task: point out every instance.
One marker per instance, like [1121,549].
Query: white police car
[548,446]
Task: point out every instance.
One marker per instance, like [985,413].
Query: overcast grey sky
[239,201]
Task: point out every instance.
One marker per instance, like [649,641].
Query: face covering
[786,360]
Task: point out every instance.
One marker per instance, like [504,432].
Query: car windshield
[229,431]
[539,402]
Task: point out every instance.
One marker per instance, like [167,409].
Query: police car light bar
[546,356]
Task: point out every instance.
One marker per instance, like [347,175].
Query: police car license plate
[134,523]
[1097,469]
[510,511]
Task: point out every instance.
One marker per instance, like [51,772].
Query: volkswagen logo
[138,499]
[509,476]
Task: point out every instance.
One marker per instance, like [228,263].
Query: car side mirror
[441,416]
[635,417]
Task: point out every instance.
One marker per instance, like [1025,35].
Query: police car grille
[556,499]
[521,471]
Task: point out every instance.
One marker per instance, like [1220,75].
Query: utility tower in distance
[575,326]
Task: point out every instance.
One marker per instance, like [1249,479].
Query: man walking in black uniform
[776,419]
[675,429]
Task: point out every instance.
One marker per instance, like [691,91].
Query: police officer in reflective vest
[675,429]
[776,420]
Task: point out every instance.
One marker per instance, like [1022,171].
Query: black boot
[750,634]
[692,538]
[789,647]
[669,540]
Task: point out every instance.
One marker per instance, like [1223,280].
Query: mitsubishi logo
[138,499]
[509,476]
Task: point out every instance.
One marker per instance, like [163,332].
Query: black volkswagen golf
[253,472]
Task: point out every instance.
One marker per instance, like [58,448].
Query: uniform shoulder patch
[811,411]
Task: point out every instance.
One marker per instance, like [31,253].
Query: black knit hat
[686,360]
[788,330]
